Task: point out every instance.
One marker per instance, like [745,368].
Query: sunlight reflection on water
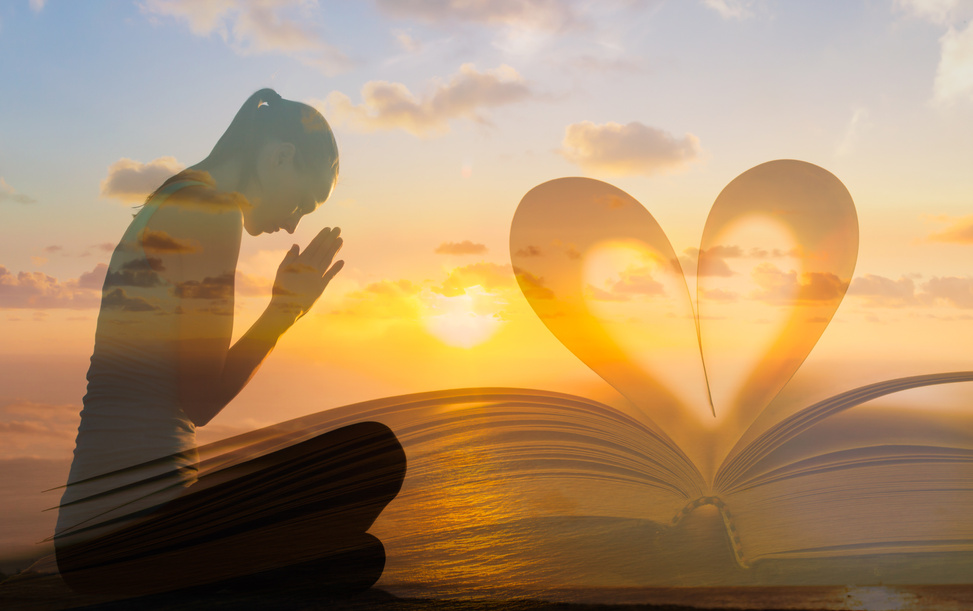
[880,599]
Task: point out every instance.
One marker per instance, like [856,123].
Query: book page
[871,480]
[756,445]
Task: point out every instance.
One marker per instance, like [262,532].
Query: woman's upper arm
[196,248]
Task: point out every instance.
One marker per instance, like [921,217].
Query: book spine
[731,529]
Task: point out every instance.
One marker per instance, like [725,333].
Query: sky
[446,113]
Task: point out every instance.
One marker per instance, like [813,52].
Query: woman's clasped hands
[303,276]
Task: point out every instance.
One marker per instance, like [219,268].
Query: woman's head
[286,156]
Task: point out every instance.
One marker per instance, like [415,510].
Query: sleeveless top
[135,448]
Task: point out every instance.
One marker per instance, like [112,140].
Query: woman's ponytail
[266,116]
[244,136]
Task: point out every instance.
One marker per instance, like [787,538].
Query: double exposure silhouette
[699,476]
[137,515]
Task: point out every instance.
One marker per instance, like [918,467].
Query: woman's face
[283,193]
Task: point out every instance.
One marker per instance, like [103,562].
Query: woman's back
[132,414]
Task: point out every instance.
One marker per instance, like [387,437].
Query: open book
[788,480]
[706,476]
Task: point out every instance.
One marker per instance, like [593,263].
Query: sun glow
[462,321]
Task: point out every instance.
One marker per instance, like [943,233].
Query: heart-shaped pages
[600,273]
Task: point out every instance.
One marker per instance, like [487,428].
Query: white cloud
[132,181]
[731,9]
[407,42]
[858,122]
[37,5]
[633,148]
[533,14]
[38,291]
[936,11]
[254,27]
[954,76]
[9,194]
[387,106]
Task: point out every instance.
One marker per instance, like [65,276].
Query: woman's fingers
[317,251]
[328,275]
[322,249]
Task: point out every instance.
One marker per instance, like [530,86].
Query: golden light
[879,598]
[462,321]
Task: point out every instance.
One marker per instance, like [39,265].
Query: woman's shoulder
[189,203]
[190,220]
[195,190]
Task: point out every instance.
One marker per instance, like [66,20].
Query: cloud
[157,242]
[711,263]
[858,122]
[94,279]
[786,288]
[760,253]
[529,251]
[550,15]
[131,181]
[881,291]
[637,281]
[596,64]
[212,287]
[137,272]
[119,299]
[954,291]
[37,290]
[383,300]
[258,27]
[633,148]
[960,232]
[388,106]
[938,291]
[532,286]
[407,42]
[463,320]
[936,11]
[29,428]
[489,276]
[8,194]
[731,9]
[108,247]
[37,5]
[465,247]
[249,285]
[954,74]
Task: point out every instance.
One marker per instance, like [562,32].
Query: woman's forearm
[301,278]
[243,359]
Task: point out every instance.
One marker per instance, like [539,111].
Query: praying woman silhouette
[138,515]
